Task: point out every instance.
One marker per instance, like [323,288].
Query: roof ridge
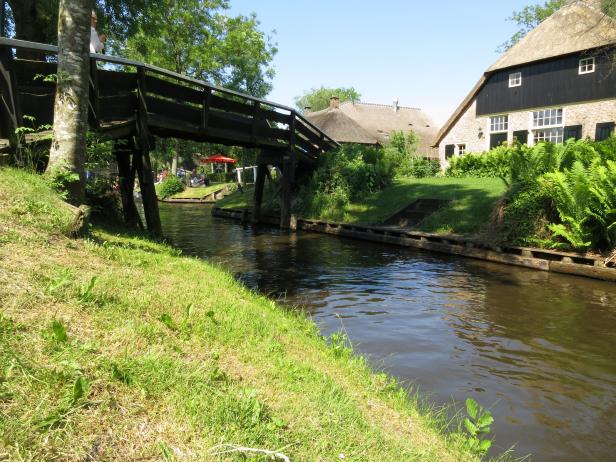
[380,105]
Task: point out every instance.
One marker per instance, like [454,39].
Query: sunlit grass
[201,191]
[472,202]
[115,347]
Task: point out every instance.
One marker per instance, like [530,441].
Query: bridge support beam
[141,159]
[285,193]
[259,185]
[126,171]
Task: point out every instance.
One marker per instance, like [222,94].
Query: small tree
[318,98]
[68,148]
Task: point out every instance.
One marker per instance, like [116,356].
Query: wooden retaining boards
[540,259]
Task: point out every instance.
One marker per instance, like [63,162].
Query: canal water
[538,349]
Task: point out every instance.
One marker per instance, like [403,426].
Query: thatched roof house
[556,82]
[367,123]
[339,126]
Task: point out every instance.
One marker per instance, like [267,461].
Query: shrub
[349,173]
[560,195]
[170,186]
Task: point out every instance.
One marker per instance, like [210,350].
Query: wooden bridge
[130,102]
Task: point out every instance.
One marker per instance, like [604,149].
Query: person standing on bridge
[97,42]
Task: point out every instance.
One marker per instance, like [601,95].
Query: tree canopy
[318,98]
[194,37]
[197,38]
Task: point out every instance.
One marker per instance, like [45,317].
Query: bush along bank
[116,347]
[560,196]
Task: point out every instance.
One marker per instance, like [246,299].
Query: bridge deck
[124,93]
[133,101]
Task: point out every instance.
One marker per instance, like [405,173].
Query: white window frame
[547,126]
[498,124]
[461,149]
[547,118]
[515,79]
[587,65]
[551,134]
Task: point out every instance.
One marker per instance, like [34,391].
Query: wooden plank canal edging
[540,259]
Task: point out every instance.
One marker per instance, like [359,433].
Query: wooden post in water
[126,172]
[258,199]
[285,193]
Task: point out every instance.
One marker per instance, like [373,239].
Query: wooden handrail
[23,44]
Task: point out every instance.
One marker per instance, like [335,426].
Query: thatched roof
[381,119]
[340,127]
[575,27]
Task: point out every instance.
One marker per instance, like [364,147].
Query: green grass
[472,202]
[241,199]
[202,191]
[115,347]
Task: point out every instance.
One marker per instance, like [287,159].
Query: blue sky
[426,53]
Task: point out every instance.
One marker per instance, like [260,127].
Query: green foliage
[347,174]
[318,98]
[477,425]
[340,345]
[402,151]
[170,186]
[59,331]
[560,195]
[202,40]
[60,177]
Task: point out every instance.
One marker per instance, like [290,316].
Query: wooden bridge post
[259,185]
[285,192]
[141,159]
[288,176]
[144,166]
[10,113]
[123,151]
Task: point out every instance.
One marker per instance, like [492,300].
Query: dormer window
[515,79]
[587,65]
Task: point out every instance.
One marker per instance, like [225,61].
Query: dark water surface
[538,348]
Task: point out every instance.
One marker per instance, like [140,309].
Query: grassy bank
[202,191]
[472,202]
[117,348]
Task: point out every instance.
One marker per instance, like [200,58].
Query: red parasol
[217,159]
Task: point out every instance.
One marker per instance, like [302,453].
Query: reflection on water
[540,349]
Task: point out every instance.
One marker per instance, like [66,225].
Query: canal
[538,349]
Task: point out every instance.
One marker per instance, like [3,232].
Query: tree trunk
[32,22]
[68,148]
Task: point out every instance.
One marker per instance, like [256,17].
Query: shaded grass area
[472,202]
[118,348]
[202,191]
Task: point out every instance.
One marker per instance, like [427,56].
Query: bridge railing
[176,105]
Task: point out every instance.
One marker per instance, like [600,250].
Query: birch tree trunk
[68,148]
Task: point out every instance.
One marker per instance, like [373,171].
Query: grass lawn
[114,347]
[198,193]
[245,198]
[472,202]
